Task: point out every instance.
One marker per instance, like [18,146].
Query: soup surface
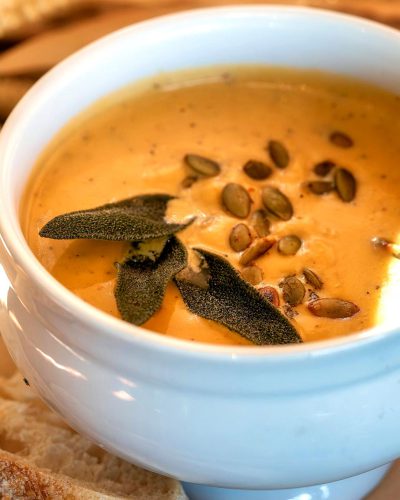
[134,143]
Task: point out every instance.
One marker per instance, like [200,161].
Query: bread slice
[42,458]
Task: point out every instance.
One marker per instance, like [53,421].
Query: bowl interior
[296,37]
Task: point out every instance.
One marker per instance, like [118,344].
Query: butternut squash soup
[240,205]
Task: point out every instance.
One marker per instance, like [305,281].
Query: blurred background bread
[16,15]
[42,458]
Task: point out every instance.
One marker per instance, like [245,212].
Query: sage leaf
[232,302]
[141,286]
[133,219]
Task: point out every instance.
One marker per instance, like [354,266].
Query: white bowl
[258,417]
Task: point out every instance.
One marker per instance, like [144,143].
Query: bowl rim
[110,327]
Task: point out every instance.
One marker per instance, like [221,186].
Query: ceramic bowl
[235,417]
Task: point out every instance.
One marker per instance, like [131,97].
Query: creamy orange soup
[135,141]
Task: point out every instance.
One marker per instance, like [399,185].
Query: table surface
[31,48]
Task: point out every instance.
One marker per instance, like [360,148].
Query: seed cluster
[252,238]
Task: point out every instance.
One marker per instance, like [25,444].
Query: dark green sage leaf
[141,286]
[133,219]
[232,302]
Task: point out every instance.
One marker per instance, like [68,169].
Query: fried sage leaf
[141,286]
[232,302]
[133,219]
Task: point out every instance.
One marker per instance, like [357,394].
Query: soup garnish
[287,176]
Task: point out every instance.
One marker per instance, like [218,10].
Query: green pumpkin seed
[323,168]
[270,293]
[202,166]
[293,291]
[289,245]
[189,181]
[240,237]
[279,154]
[345,184]
[236,200]
[277,203]
[257,170]
[341,140]
[321,187]
[260,222]
[256,250]
[312,278]
[252,274]
[333,308]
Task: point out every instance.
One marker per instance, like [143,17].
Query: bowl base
[352,488]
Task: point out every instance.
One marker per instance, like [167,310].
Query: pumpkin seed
[321,187]
[256,250]
[312,278]
[293,291]
[189,181]
[341,140]
[240,237]
[333,308]
[252,274]
[257,170]
[261,223]
[277,203]
[270,293]
[289,245]
[236,200]
[323,168]
[345,184]
[202,166]
[279,154]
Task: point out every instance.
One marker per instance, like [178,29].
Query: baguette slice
[42,458]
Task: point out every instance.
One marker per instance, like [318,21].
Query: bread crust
[19,480]
[42,458]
